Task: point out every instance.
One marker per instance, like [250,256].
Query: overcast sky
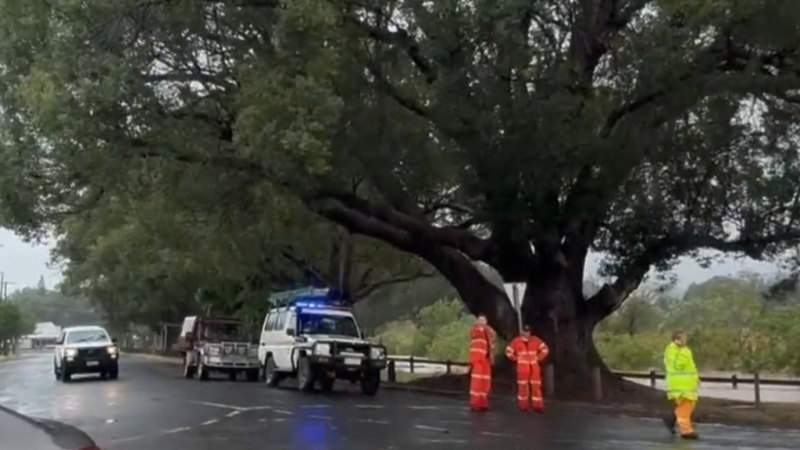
[22,264]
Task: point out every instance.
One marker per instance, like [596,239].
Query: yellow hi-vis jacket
[682,378]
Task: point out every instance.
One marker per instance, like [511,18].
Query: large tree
[518,133]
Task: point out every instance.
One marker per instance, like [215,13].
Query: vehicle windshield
[333,325]
[78,337]
[218,332]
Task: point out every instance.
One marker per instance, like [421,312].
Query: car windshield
[333,325]
[77,337]
[218,332]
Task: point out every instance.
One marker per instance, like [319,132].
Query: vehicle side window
[60,338]
[281,320]
[271,321]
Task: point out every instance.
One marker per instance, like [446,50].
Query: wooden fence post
[652,378]
[549,381]
[391,372]
[411,363]
[757,387]
[448,366]
[735,381]
[598,384]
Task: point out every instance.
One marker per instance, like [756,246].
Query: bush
[399,337]
[640,352]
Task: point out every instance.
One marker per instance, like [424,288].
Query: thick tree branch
[368,289]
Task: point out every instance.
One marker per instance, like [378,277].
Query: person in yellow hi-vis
[683,384]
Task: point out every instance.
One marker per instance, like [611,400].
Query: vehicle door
[268,344]
[286,323]
[263,341]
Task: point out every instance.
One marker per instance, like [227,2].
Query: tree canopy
[517,133]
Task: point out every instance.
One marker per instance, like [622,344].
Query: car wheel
[326,382]
[202,372]
[65,375]
[113,373]
[370,382]
[232,375]
[252,375]
[305,375]
[271,375]
[188,369]
[55,371]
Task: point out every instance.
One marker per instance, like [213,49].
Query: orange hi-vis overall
[528,353]
[480,359]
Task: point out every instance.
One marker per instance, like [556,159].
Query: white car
[313,339]
[87,349]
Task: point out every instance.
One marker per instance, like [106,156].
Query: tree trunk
[557,311]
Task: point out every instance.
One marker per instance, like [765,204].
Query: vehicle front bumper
[345,363]
[82,364]
[231,362]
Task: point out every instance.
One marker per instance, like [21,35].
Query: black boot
[692,436]
[670,421]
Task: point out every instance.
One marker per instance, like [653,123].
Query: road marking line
[111,420]
[315,406]
[128,439]
[258,408]
[262,420]
[381,422]
[280,411]
[233,413]
[427,427]
[370,406]
[491,433]
[177,430]
[446,441]
[219,405]
[314,416]
[422,407]
[279,419]
[210,422]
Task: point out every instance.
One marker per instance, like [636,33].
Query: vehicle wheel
[252,375]
[326,382]
[370,382]
[305,375]
[232,375]
[271,375]
[113,373]
[65,375]
[188,369]
[55,371]
[104,375]
[202,372]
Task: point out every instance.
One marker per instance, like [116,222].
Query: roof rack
[309,297]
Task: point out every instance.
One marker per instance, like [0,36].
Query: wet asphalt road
[152,406]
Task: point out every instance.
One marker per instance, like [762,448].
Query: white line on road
[258,408]
[177,430]
[445,441]
[426,427]
[233,413]
[219,405]
[491,433]
[370,406]
[318,417]
[381,422]
[279,419]
[315,406]
[280,411]
[128,439]
[422,407]
[210,422]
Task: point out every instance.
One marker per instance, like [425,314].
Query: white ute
[309,336]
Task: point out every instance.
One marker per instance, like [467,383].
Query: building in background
[45,335]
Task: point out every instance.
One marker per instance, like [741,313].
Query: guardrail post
[598,383]
[549,381]
[391,372]
[652,378]
[757,387]
[411,363]
[735,381]
[449,363]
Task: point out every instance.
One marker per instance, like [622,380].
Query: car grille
[352,348]
[91,352]
[228,349]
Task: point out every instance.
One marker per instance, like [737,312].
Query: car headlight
[70,352]
[323,349]
[213,351]
[377,352]
[112,350]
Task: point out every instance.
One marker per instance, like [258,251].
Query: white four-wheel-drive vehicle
[310,336]
[217,344]
[86,349]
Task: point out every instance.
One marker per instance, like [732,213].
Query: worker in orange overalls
[481,356]
[528,352]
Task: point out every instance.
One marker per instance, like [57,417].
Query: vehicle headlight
[70,352]
[112,350]
[213,351]
[377,352]
[323,349]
